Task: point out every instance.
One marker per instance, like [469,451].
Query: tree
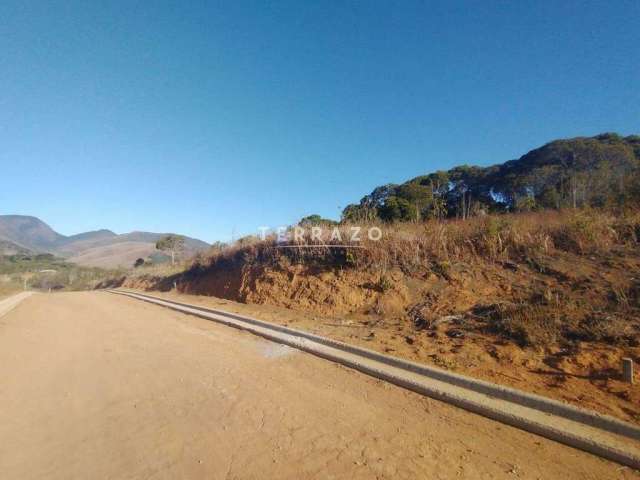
[138,263]
[218,246]
[172,244]
[358,213]
[601,171]
[395,209]
[438,208]
[420,196]
[549,198]
[315,220]
[378,196]
[525,204]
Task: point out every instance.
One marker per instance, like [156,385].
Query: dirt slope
[473,318]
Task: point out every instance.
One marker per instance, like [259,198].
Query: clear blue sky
[208,118]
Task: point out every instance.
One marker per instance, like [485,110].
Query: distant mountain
[104,248]
[94,235]
[28,232]
[10,248]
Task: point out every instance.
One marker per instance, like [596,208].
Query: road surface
[99,386]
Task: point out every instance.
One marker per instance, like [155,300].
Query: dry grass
[545,269]
[160,273]
[9,286]
[513,237]
[159,269]
[516,241]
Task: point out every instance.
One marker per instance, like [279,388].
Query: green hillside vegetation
[600,171]
[46,271]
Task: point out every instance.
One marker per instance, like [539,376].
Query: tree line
[600,171]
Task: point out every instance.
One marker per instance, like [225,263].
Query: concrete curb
[9,303]
[579,428]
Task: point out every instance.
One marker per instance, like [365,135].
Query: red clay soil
[559,327]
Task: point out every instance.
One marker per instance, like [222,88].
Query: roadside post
[627,370]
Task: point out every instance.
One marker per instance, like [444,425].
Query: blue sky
[216,118]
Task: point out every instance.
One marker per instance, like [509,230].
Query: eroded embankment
[558,327]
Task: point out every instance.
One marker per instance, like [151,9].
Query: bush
[586,231]
[397,209]
[529,324]
[385,284]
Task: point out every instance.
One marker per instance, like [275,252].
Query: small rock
[446,319]
[455,333]
[510,265]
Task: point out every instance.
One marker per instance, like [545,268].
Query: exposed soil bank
[452,321]
[548,302]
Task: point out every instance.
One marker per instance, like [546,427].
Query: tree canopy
[584,171]
[315,220]
[172,244]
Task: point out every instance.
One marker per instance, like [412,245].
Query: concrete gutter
[11,302]
[592,432]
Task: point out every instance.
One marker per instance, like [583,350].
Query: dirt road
[98,386]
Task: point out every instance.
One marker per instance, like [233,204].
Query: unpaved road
[99,386]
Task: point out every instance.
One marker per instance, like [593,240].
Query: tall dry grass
[530,316]
[516,237]
[165,269]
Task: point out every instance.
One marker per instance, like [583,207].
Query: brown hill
[122,254]
[9,248]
